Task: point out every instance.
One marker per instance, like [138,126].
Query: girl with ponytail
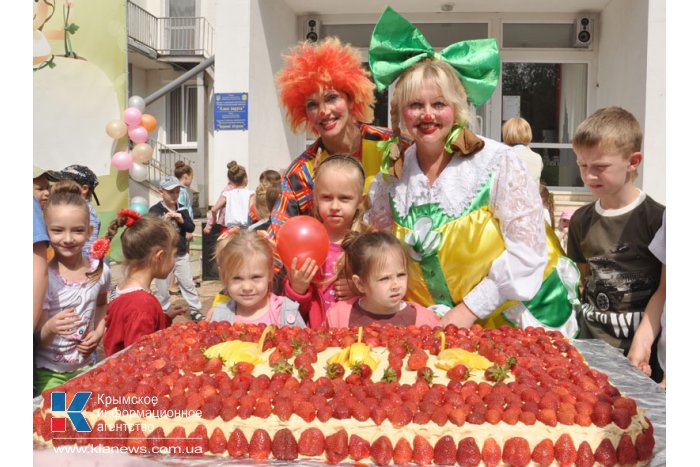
[72,320]
[149,244]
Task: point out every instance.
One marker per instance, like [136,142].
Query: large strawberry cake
[380,394]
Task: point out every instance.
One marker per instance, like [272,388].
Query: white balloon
[138,172]
[139,200]
[138,102]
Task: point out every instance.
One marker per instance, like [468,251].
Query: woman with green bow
[465,206]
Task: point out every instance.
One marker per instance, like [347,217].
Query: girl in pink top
[337,196]
[379,270]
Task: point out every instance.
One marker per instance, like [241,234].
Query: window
[536,35]
[180,26]
[181,108]
[552,98]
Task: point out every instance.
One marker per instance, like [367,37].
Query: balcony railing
[170,36]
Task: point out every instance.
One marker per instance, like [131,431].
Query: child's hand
[301,279]
[64,322]
[176,310]
[89,342]
[207,229]
[189,236]
[639,356]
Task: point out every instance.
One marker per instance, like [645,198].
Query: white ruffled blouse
[515,201]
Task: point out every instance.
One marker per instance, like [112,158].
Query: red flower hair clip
[131,216]
[99,248]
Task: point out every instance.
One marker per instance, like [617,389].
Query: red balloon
[302,237]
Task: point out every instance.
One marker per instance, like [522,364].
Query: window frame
[185,141]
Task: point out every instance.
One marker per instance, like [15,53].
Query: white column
[654,173]
[232,74]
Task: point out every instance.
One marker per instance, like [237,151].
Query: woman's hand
[207,229]
[89,342]
[301,279]
[63,323]
[461,316]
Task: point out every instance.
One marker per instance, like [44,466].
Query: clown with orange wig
[325,90]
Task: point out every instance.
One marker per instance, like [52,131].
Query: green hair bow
[397,44]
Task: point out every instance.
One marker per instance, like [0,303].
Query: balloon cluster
[137,125]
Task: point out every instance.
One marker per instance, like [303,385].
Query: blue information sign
[231,111]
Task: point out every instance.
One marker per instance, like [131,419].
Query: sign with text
[231,111]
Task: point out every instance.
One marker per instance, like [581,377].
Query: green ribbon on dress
[384,148]
[396,45]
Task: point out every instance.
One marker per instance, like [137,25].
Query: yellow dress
[454,238]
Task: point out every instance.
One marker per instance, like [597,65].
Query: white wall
[626,41]
[273,31]
[654,175]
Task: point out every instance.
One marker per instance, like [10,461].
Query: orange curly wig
[328,64]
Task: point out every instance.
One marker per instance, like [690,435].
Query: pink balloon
[132,116]
[122,160]
[138,134]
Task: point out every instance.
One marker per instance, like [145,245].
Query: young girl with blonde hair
[244,259]
[72,320]
[339,205]
[149,244]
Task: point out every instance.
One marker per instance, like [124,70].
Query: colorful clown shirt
[478,235]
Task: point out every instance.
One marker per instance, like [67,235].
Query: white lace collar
[456,186]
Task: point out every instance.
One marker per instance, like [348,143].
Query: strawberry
[402,416]
[217,441]
[516,452]
[244,368]
[425,374]
[402,452]
[621,417]
[305,410]
[445,452]
[543,453]
[459,373]
[625,403]
[391,375]
[584,455]
[336,446]
[491,453]
[260,444]
[602,414]
[198,441]
[381,451]
[213,365]
[605,453]
[284,446]
[511,415]
[305,371]
[422,450]
[334,370]
[644,445]
[497,373]
[417,360]
[359,448]
[137,439]
[311,442]
[564,450]
[360,412]
[176,438]
[494,416]
[468,453]
[626,452]
[283,408]
[155,440]
[457,416]
[377,414]
[361,369]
